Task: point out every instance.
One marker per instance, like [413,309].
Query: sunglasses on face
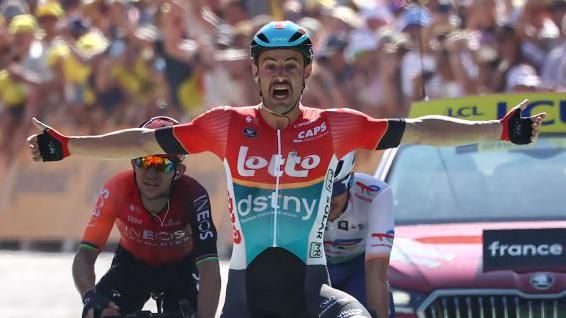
[161,164]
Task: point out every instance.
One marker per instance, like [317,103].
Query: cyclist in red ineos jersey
[166,235]
[280,158]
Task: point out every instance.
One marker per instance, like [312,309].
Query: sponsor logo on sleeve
[204,219]
[102,197]
[383,239]
[366,192]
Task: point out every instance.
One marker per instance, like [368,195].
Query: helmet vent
[296,36]
[264,38]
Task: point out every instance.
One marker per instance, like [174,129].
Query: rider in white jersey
[359,237]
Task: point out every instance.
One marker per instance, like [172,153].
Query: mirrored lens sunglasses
[161,164]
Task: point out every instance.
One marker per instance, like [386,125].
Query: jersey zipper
[277,180]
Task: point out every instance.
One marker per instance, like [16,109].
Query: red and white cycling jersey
[184,227]
[367,224]
[279,180]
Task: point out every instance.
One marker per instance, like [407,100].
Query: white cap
[378,12]
[522,75]
[360,41]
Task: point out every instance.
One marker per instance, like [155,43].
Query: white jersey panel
[238,259]
[367,224]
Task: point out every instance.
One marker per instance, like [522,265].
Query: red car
[481,229]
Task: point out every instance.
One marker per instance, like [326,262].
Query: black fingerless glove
[516,129]
[95,301]
[53,146]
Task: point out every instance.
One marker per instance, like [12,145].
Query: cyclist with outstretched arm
[166,236]
[359,237]
[280,157]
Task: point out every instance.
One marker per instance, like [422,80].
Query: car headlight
[401,298]
[406,302]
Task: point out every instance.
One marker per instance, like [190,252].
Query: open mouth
[151,184]
[280,92]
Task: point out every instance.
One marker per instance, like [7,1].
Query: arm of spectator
[199,14]
[418,86]
[329,90]
[192,52]
[120,18]
[457,46]
[390,92]
[103,79]
[21,74]
[88,58]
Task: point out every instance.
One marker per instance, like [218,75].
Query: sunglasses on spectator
[161,164]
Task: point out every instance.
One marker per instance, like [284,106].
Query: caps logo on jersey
[293,165]
[311,133]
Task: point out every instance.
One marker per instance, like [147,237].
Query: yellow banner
[490,107]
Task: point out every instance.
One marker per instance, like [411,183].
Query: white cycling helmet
[343,174]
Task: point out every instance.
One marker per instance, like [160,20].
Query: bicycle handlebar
[149,314]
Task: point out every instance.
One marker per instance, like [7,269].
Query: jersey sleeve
[381,225]
[102,217]
[203,231]
[352,129]
[208,132]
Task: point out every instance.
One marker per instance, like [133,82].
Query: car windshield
[480,182]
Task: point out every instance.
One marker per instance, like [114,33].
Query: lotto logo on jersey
[292,165]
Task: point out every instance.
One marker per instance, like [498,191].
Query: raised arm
[51,145]
[444,130]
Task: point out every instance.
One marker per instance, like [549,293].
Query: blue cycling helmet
[282,35]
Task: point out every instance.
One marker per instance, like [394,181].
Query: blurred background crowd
[95,64]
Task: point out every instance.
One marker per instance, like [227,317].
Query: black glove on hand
[94,301]
[53,146]
[517,129]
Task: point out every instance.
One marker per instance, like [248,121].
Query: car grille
[493,306]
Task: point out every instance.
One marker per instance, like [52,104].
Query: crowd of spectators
[96,64]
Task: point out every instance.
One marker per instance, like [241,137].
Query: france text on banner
[490,107]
